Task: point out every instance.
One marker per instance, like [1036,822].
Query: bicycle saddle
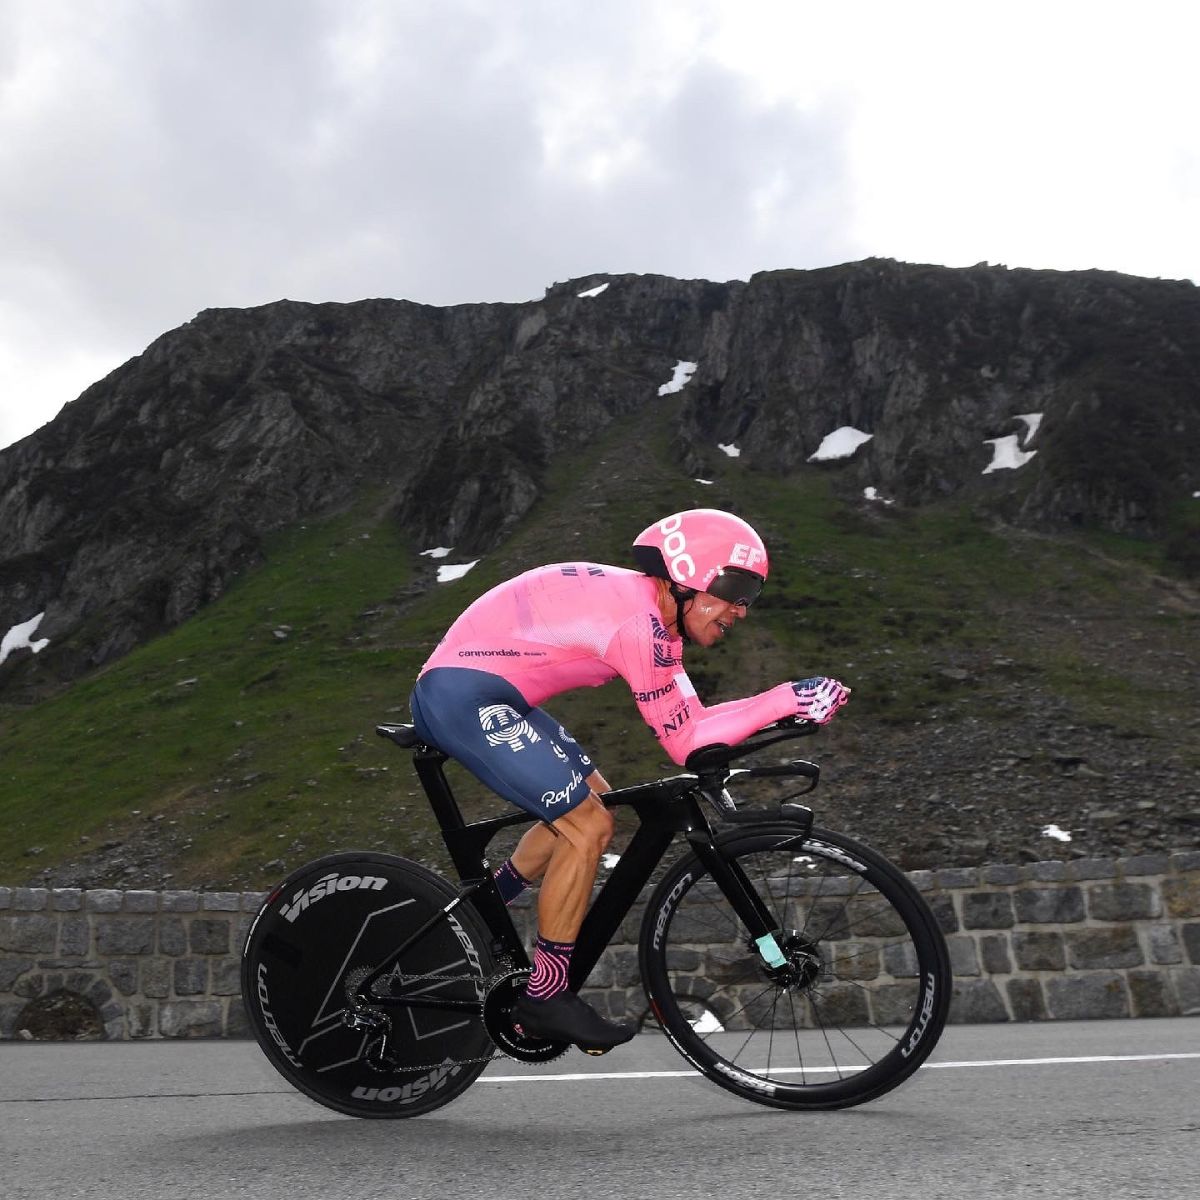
[402,735]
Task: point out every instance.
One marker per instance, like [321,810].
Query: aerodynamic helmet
[706,550]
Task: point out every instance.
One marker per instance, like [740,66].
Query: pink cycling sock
[551,961]
[510,883]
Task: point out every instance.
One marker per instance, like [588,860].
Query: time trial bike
[791,965]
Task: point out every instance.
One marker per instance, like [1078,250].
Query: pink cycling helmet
[706,550]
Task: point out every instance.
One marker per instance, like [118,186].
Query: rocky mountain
[154,489]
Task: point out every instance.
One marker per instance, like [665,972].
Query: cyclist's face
[708,619]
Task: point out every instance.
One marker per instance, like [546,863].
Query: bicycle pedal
[595,1051]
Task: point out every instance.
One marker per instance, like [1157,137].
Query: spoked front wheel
[320,935]
[855,1001]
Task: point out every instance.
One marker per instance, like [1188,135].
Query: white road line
[585,1076]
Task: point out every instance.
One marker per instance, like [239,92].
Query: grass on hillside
[243,748]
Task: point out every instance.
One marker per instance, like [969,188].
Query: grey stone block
[5,897]
[963,958]
[141,902]
[1092,949]
[1145,864]
[1152,995]
[1040,951]
[191,976]
[1191,941]
[116,936]
[1048,871]
[237,1023]
[1092,868]
[941,905]
[221,901]
[253,901]
[140,1020]
[977,1001]
[1002,874]
[66,899]
[1186,982]
[226,977]
[99,993]
[987,910]
[180,902]
[1026,1000]
[32,934]
[124,974]
[957,877]
[1124,902]
[190,1018]
[156,978]
[1181,893]
[1184,860]
[1164,944]
[172,936]
[30,986]
[74,936]
[994,951]
[10,1010]
[102,900]
[921,880]
[1097,995]
[1049,906]
[209,936]
[11,969]
[25,899]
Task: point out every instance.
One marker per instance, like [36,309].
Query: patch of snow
[683,372]
[437,552]
[593,291]
[608,861]
[18,638]
[1196,495]
[841,443]
[448,574]
[706,482]
[1007,454]
[1053,831]
[731,450]
[870,493]
[1031,421]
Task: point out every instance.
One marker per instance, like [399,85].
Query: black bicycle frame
[664,808]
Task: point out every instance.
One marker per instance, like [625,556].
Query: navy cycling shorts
[519,751]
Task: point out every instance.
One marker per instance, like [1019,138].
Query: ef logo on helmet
[746,556]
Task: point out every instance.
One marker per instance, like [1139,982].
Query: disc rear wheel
[320,935]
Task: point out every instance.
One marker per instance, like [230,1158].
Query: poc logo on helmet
[683,566]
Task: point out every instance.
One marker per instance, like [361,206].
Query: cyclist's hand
[819,698]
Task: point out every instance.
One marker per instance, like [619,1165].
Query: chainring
[497,1020]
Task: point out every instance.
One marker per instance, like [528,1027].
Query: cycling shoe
[567,1018]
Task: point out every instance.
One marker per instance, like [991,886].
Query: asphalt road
[991,1117]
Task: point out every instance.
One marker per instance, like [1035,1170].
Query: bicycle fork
[743,897]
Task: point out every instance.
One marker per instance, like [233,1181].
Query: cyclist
[582,624]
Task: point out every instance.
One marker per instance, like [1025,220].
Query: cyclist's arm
[653,668]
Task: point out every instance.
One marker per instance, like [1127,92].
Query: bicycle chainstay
[355,978]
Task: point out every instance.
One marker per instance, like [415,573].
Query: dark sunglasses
[736,586]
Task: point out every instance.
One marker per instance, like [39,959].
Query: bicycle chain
[356,977]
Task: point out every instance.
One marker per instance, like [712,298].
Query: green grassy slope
[223,750]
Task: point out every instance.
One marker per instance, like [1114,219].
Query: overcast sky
[159,157]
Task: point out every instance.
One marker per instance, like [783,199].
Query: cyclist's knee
[589,827]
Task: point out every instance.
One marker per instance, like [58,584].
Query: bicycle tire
[859,1006]
[335,917]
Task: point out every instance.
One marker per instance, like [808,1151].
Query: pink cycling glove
[819,698]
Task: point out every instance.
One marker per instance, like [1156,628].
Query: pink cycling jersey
[580,625]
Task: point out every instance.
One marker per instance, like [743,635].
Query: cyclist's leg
[534,850]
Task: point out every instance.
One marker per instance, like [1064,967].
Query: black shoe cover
[567,1018]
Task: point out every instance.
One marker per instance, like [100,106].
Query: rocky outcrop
[149,493]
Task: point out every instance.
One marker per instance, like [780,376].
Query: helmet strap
[682,596]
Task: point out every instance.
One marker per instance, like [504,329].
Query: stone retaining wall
[1049,941]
